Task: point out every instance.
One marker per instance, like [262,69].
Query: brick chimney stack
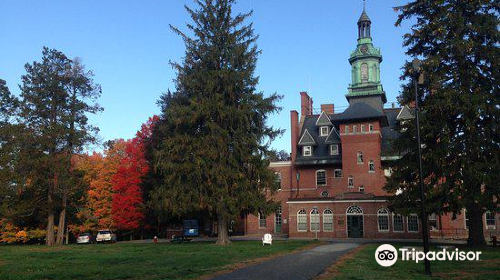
[327,108]
[306,104]
[294,130]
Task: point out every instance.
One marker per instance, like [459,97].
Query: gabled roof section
[306,139]
[405,114]
[333,137]
[323,120]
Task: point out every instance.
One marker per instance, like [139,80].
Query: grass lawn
[131,261]
[362,265]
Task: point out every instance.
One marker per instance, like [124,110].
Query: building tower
[365,67]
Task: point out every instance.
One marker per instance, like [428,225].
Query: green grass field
[130,261]
[362,265]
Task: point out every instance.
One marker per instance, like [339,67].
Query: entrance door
[278,221]
[355,226]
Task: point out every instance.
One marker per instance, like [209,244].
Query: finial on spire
[364,5]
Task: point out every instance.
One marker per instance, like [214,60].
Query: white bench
[267,239]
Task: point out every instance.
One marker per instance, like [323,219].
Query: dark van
[191,228]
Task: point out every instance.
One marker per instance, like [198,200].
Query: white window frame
[383,213]
[314,220]
[360,158]
[370,127]
[433,217]
[325,194]
[334,149]
[278,179]
[326,178]
[346,129]
[262,219]
[354,129]
[361,188]
[363,128]
[394,222]
[307,151]
[321,133]
[370,165]
[328,219]
[301,215]
[408,223]
[350,182]
[335,173]
[493,226]
[388,172]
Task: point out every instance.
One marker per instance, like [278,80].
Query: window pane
[413,223]
[321,177]
[398,223]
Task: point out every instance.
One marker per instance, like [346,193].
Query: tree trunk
[62,220]
[222,233]
[49,236]
[476,234]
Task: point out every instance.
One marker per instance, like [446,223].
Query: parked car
[191,228]
[105,235]
[84,238]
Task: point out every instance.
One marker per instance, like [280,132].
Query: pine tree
[458,44]
[216,139]
[55,99]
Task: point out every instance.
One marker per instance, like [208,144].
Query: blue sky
[128,45]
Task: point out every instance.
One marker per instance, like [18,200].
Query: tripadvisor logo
[387,255]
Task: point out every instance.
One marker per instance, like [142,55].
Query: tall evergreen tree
[56,95]
[458,44]
[216,139]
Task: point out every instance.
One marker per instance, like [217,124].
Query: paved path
[298,266]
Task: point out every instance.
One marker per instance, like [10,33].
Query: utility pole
[425,233]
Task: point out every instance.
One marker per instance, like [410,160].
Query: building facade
[333,185]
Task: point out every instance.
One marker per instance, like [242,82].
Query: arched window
[354,210]
[327,220]
[321,178]
[277,180]
[364,72]
[301,220]
[350,182]
[371,166]
[383,219]
[359,157]
[314,219]
[324,194]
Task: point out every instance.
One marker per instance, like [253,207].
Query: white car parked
[105,235]
[84,238]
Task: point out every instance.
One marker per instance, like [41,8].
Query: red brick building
[333,185]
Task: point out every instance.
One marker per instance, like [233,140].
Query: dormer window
[307,151]
[354,129]
[324,130]
[334,150]
[370,127]
[346,129]
[363,128]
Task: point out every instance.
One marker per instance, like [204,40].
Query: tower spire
[364,23]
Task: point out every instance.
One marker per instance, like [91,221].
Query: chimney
[327,108]
[306,104]
[294,130]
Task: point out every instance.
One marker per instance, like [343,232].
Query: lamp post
[425,233]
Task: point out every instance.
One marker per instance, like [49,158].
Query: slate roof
[323,120]
[357,111]
[306,139]
[390,132]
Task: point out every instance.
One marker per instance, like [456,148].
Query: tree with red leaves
[127,206]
